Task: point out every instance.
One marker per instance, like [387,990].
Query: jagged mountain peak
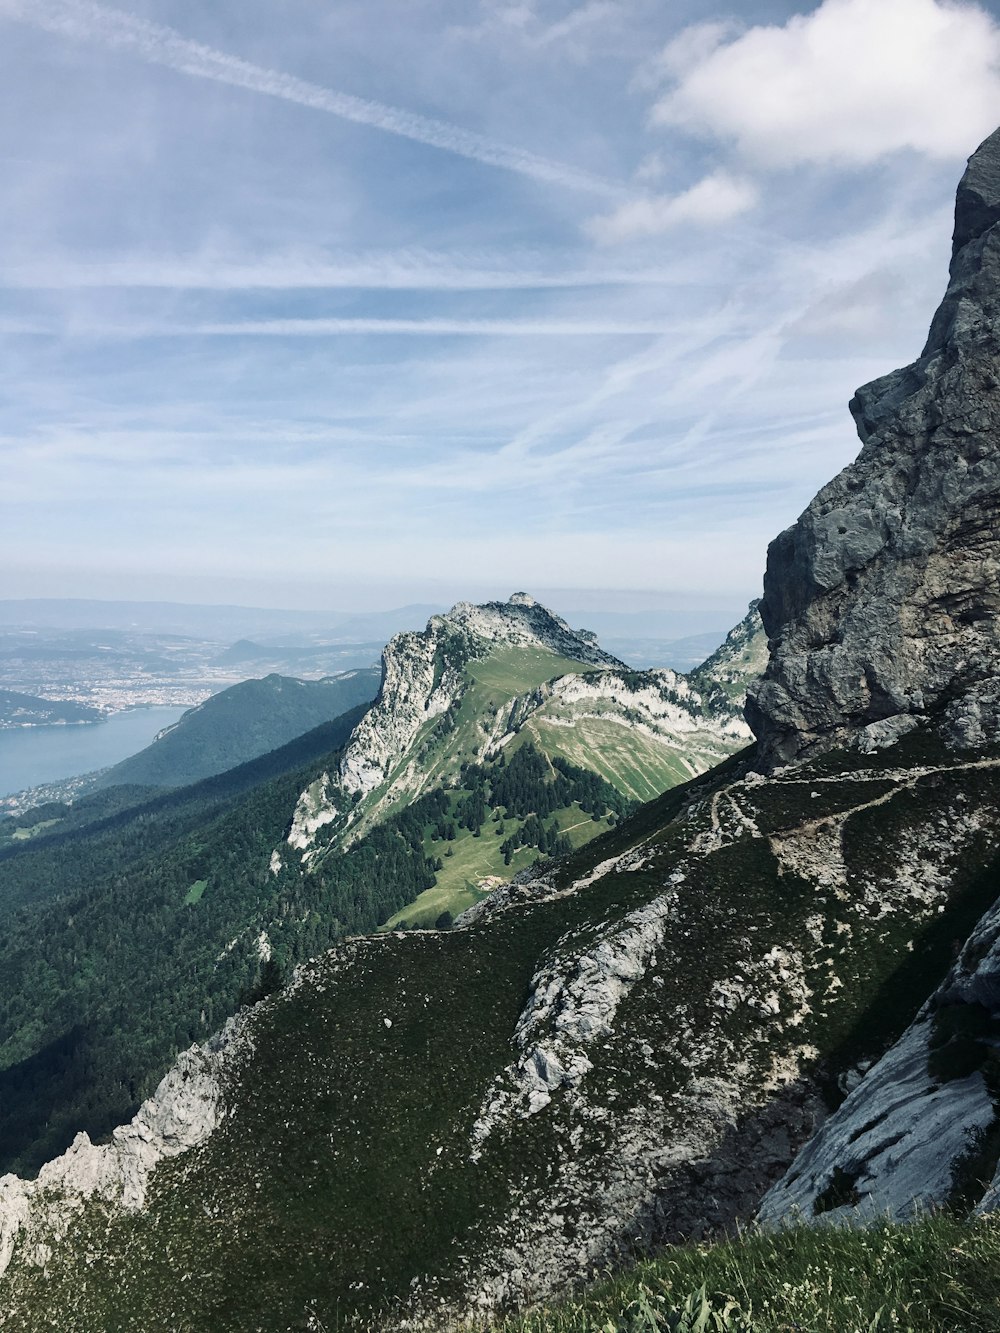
[882,601]
[523,621]
[424,675]
[462,690]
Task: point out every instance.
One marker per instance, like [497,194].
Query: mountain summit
[882,601]
[482,680]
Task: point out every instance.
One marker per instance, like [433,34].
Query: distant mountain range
[202,622]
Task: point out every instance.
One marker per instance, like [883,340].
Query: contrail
[333,327]
[388,272]
[160,45]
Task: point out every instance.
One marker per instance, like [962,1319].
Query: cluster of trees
[528,788]
[533,833]
[529,784]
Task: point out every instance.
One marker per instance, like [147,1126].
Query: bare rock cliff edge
[881,603]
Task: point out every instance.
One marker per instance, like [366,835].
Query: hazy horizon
[633,616]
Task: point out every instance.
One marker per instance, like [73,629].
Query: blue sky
[354,304]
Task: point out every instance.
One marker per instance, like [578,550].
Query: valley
[199,884]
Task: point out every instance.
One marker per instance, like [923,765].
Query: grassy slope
[640,767]
[939,1275]
[342,1172]
[318,1204]
[475,860]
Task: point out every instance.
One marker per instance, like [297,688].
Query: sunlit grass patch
[937,1275]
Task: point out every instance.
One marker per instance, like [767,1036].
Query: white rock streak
[573,1003]
[315,808]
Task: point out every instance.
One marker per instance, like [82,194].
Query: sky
[346,305]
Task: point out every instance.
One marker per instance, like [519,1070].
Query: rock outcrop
[181,1114]
[922,1128]
[882,601]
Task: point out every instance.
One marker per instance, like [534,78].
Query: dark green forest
[240,723]
[130,921]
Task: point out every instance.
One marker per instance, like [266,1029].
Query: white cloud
[693,45]
[849,83]
[714,199]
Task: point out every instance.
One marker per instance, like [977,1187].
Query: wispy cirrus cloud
[320,327]
[271,347]
[83,20]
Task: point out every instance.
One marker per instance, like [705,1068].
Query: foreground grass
[939,1275]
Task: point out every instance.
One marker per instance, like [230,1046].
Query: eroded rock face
[919,1131]
[184,1110]
[882,601]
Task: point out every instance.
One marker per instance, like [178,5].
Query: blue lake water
[31,756]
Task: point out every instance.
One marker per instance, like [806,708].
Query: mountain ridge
[239,724]
[477,680]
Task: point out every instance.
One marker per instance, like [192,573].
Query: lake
[31,756]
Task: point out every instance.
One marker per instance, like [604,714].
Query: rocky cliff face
[920,1130]
[739,660]
[183,1112]
[882,601]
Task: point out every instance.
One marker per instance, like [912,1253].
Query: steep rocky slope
[882,601]
[625,1050]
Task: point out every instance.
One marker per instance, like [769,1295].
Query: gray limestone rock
[182,1113]
[881,602]
[901,1142]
